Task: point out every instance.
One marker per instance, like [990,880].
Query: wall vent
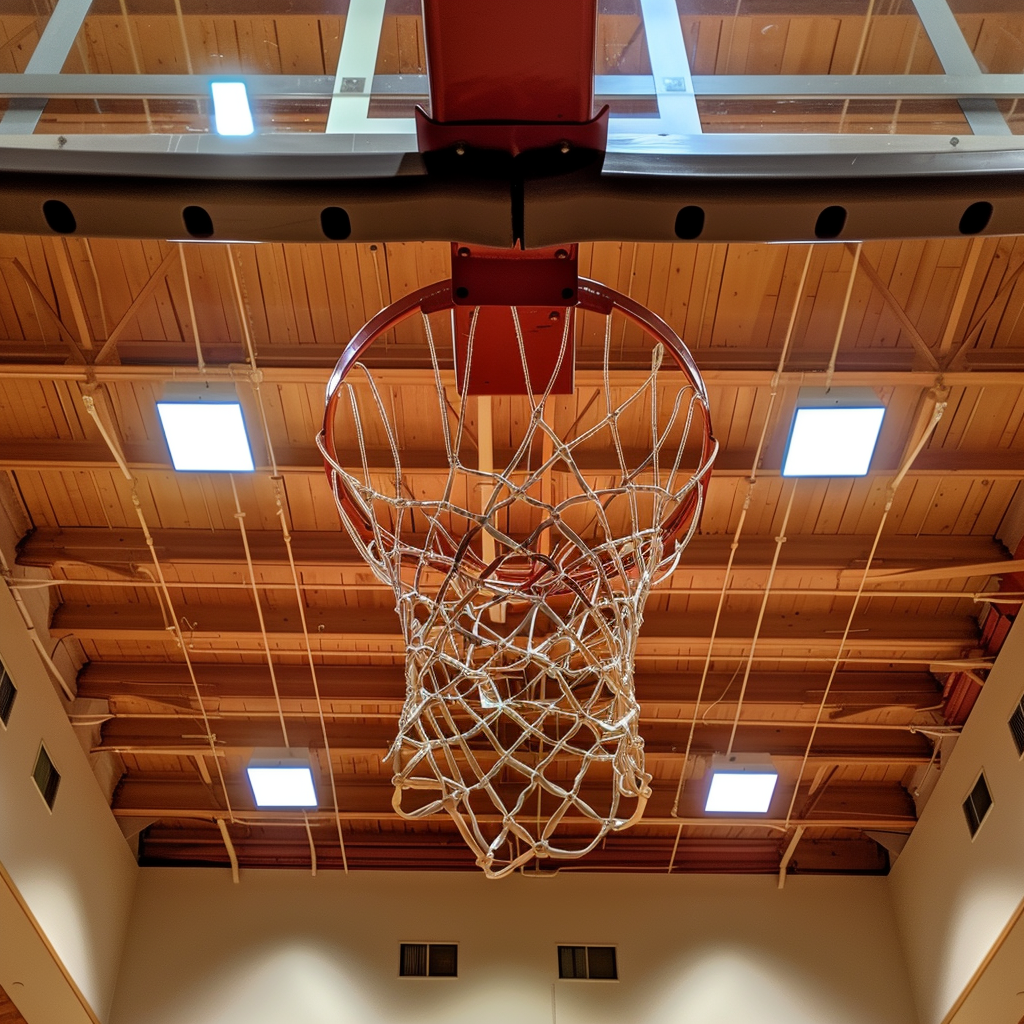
[8,692]
[1017,727]
[46,777]
[977,805]
[428,960]
[594,963]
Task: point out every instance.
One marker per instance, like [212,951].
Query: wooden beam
[998,369]
[68,338]
[67,275]
[638,849]
[110,344]
[963,289]
[46,547]
[384,686]
[661,630]
[46,454]
[847,804]
[908,325]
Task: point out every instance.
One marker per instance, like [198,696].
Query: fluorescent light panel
[206,436]
[834,433]
[231,112]
[741,784]
[281,778]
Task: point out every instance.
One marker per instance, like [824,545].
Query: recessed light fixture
[741,784]
[281,777]
[205,429]
[834,432]
[231,112]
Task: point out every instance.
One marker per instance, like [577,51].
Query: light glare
[832,441]
[282,787]
[741,792]
[206,436]
[231,113]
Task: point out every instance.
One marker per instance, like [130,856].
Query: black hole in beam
[59,216]
[975,218]
[462,293]
[830,222]
[690,222]
[567,293]
[335,224]
[198,222]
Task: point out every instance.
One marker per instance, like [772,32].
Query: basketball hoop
[521,580]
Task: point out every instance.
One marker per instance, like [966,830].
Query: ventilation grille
[46,777]
[429,960]
[7,695]
[977,804]
[1017,726]
[596,963]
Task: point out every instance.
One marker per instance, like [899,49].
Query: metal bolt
[564,147]
[561,254]
[954,141]
[553,315]
[460,148]
[463,251]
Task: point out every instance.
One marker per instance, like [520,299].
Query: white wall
[955,896]
[284,946]
[71,867]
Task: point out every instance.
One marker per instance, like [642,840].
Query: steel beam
[962,83]
[349,112]
[956,58]
[670,65]
[50,53]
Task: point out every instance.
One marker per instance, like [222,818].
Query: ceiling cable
[779,541]
[175,627]
[830,371]
[937,411]
[240,518]
[255,377]
[752,480]
[172,620]
[191,309]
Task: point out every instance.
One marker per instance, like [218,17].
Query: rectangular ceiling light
[833,432]
[741,784]
[281,777]
[205,429]
[231,112]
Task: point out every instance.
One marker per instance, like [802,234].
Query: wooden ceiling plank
[109,346]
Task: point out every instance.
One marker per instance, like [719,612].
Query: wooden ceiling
[304,38]
[113,320]
[913,306]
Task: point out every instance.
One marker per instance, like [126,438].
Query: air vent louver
[1017,727]
[7,694]
[976,806]
[46,777]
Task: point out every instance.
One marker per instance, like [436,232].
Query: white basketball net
[521,592]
